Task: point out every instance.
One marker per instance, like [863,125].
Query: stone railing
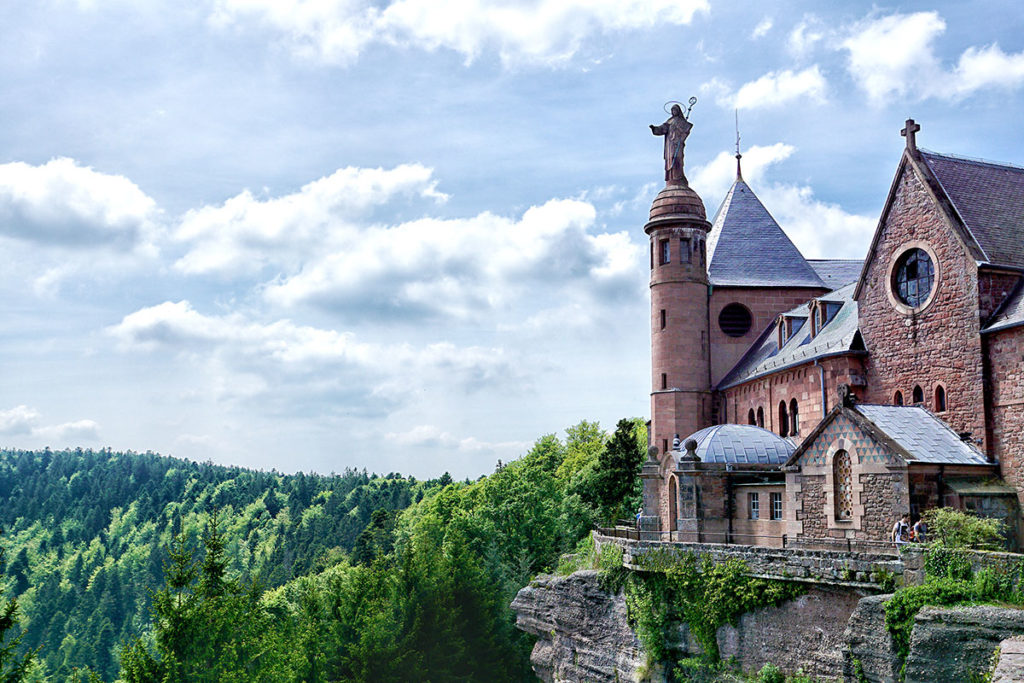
[862,570]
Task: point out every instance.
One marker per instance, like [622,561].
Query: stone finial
[676,443]
[691,451]
[910,133]
[652,454]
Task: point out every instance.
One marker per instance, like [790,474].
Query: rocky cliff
[583,635]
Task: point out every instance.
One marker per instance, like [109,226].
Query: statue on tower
[675,130]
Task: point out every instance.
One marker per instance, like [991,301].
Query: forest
[139,567]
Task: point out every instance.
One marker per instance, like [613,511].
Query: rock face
[956,643]
[869,643]
[582,633]
[806,633]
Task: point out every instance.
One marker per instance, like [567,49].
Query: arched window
[918,394]
[783,420]
[897,400]
[750,417]
[760,417]
[842,482]
[940,399]
[794,420]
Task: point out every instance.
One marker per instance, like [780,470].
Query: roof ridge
[973,160]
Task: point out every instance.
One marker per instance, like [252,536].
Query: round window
[735,320]
[914,277]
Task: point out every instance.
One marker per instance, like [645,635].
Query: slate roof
[836,272]
[989,198]
[747,248]
[924,437]
[741,444]
[764,356]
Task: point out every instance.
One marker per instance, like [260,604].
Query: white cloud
[770,90]
[889,54]
[245,234]
[270,357]
[547,32]
[25,421]
[18,420]
[458,267]
[70,432]
[63,204]
[819,229]
[804,36]
[714,179]
[895,55]
[986,67]
[779,87]
[762,28]
[434,437]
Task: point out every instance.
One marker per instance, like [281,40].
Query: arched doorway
[672,497]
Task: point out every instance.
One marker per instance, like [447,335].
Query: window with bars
[842,482]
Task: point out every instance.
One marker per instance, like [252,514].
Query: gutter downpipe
[821,375]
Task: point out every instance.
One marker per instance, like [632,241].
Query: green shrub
[954,528]
[770,673]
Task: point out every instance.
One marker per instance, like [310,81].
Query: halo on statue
[667,107]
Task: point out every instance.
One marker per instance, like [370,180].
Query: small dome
[742,444]
[677,200]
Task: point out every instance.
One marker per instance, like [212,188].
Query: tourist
[920,531]
[901,531]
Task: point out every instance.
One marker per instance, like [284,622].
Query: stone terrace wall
[851,570]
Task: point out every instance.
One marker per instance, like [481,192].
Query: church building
[813,402]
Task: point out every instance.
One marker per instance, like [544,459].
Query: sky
[407,235]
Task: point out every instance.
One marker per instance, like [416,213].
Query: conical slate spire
[747,248]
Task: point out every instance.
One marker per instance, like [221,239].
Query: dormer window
[822,313]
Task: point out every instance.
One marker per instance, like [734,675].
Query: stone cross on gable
[909,132]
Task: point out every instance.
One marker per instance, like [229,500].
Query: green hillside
[302,577]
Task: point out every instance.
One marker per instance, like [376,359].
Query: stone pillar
[650,475]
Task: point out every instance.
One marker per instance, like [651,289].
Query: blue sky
[312,234]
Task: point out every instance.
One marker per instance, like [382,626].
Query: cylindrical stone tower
[680,353]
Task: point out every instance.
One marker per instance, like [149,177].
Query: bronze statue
[675,130]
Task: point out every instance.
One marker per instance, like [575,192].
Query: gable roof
[765,357]
[747,248]
[911,432]
[989,199]
[982,200]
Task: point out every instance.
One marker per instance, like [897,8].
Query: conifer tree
[13,668]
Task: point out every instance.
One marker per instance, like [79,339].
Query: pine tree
[13,668]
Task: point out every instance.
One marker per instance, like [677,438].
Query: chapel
[813,402]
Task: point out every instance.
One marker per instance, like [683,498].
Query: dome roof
[678,200]
[742,444]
